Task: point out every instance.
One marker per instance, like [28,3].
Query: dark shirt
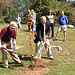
[40,31]
[5,34]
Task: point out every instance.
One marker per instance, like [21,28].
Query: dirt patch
[43,62]
[38,67]
[35,71]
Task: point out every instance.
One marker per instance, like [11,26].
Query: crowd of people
[8,35]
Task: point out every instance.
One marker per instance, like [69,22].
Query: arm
[38,31]
[14,44]
[20,20]
[0,43]
[53,18]
[66,21]
[59,20]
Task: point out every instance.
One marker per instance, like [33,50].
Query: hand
[14,51]
[3,48]
[42,43]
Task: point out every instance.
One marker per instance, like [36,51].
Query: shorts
[62,27]
[18,25]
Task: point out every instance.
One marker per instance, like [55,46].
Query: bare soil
[38,67]
[35,71]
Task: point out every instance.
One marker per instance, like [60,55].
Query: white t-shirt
[18,19]
[50,18]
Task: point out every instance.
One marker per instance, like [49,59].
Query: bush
[1,21]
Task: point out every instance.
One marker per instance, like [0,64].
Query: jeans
[33,26]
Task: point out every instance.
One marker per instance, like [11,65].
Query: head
[62,13]
[18,14]
[29,11]
[32,11]
[12,26]
[43,20]
[50,12]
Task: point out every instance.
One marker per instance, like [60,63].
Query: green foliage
[1,21]
[10,16]
[9,9]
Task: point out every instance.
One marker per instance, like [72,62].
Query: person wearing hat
[50,17]
[33,16]
[8,41]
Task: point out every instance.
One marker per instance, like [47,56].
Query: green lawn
[64,58]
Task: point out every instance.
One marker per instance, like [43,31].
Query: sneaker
[52,59]
[51,38]
[35,56]
[54,39]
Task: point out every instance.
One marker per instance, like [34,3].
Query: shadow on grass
[58,40]
[25,58]
[13,65]
[25,30]
[45,58]
[1,64]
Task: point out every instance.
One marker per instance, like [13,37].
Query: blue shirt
[63,20]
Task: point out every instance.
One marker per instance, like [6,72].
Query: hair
[62,11]
[49,12]
[43,17]
[14,23]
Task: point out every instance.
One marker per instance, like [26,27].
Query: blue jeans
[33,26]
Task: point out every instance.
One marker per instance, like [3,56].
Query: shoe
[54,39]
[51,38]
[64,40]
[35,56]
[52,59]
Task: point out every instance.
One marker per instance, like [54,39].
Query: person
[63,21]
[8,41]
[18,22]
[29,19]
[33,15]
[50,17]
[42,33]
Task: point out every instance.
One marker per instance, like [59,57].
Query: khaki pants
[4,54]
[39,49]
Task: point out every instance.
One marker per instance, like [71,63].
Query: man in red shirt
[8,40]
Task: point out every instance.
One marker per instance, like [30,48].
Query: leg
[15,57]
[64,31]
[48,49]
[4,58]
[52,27]
[65,35]
[38,50]
[57,34]
[33,27]
[59,29]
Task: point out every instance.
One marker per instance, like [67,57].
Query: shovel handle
[3,48]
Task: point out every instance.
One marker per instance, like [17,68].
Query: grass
[64,58]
